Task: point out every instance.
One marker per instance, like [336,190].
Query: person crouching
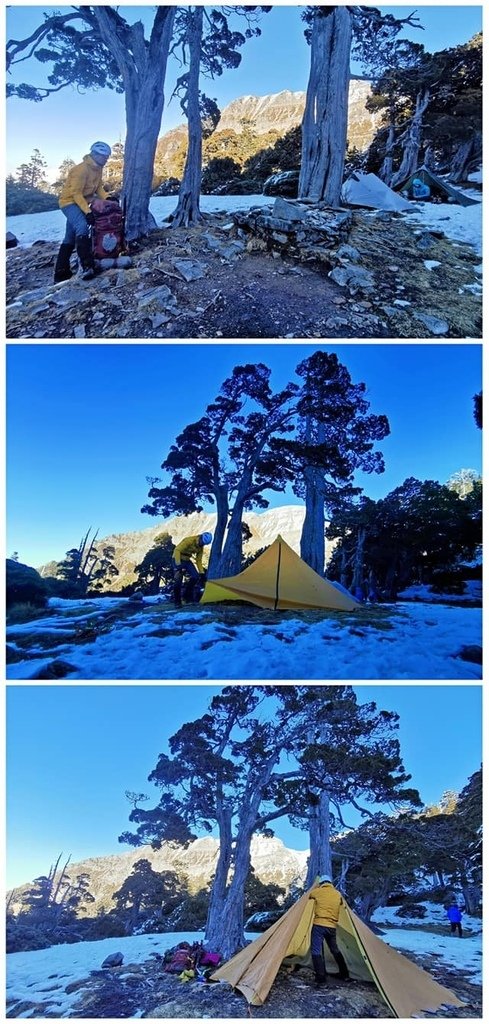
[183,553]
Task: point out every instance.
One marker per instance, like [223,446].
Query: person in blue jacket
[420,189]
[454,915]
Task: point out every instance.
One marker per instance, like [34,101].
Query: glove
[90,218]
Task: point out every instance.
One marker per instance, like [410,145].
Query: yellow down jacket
[327,903]
[188,547]
[83,183]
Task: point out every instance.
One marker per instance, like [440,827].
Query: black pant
[319,934]
[456,926]
[190,570]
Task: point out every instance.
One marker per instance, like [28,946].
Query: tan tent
[279,579]
[406,988]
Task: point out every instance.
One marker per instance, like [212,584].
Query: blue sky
[73,751]
[67,122]
[86,424]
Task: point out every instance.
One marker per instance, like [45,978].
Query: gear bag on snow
[108,229]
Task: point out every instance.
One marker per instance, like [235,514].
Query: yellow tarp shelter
[406,988]
[279,579]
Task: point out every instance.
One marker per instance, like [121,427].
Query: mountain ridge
[272,861]
[280,112]
[131,547]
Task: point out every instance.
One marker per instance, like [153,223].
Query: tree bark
[387,168]
[325,121]
[467,153]
[319,862]
[228,925]
[188,207]
[221,877]
[358,573]
[410,157]
[313,529]
[143,69]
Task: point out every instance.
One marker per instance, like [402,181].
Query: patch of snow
[419,641]
[60,966]
[421,592]
[431,264]
[50,226]
[476,176]
[459,223]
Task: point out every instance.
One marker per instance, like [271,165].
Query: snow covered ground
[414,641]
[460,223]
[465,954]
[44,974]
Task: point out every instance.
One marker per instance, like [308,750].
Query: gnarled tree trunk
[188,208]
[143,68]
[468,153]
[325,121]
[412,141]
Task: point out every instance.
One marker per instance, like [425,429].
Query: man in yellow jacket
[183,553]
[327,903]
[83,184]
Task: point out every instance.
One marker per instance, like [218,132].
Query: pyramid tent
[368,190]
[407,989]
[438,187]
[279,579]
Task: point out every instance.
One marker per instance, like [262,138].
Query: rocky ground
[144,990]
[307,273]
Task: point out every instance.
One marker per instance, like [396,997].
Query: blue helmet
[324,878]
[206,538]
[100,151]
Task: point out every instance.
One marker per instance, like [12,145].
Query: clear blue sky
[73,751]
[86,424]
[67,122]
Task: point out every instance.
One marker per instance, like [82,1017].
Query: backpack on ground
[108,229]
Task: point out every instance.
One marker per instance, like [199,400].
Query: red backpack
[108,229]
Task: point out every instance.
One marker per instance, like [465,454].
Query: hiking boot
[85,255]
[319,970]
[62,270]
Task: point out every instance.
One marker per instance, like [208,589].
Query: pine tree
[32,175]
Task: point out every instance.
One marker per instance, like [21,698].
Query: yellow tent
[406,988]
[279,579]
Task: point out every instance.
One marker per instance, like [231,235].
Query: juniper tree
[156,566]
[142,894]
[331,32]
[228,458]
[212,47]
[336,437]
[95,47]
[416,531]
[255,757]
[348,756]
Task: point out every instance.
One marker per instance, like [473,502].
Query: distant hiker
[327,903]
[420,189]
[82,186]
[454,915]
[182,563]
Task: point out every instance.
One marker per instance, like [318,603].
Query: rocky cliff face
[283,110]
[280,112]
[130,548]
[272,861]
